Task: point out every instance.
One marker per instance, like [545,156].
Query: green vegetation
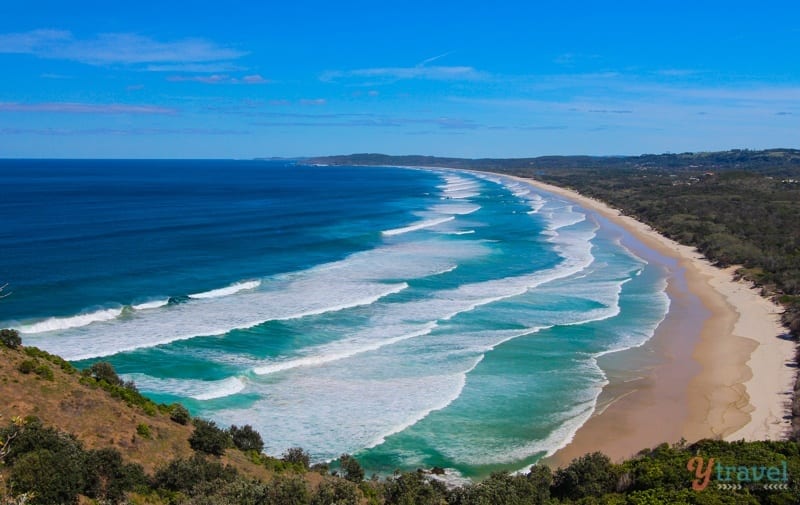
[209,438]
[179,414]
[246,438]
[10,338]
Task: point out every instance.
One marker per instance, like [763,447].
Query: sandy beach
[716,366]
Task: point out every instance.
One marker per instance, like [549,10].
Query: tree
[10,338]
[589,475]
[50,479]
[298,456]
[246,438]
[104,371]
[336,492]
[351,469]
[108,476]
[179,414]
[207,437]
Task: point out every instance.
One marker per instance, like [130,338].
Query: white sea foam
[339,350]
[155,304]
[188,388]
[228,290]
[352,282]
[65,323]
[459,232]
[458,208]
[417,226]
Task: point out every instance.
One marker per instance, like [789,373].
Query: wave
[338,351]
[461,209]
[459,232]
[419,416]
[393,289]
[65,323]
[417,226]
[229,290]
[155,304]
[202,390]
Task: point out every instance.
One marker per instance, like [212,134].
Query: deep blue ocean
[410,317]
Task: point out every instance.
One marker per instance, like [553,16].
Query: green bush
[246,438]
[589,475]
[50,476]
[297,455]
[44,371]
[104,371]
[336,492]
[108,477]
[351,469]
[143,430]
[288,491]
[416,488]
[184,475]
[179,414]
[207,437]
[27,366]
[10,338]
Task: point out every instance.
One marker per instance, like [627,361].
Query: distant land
[772,161]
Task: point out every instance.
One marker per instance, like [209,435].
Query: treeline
[772,161]
[45,466]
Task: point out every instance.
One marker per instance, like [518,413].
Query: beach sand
[716,367]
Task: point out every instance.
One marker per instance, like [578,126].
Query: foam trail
[417,226]
[109,344]
[189,388]
[65,323]
[419,416]
[229,290]
[461,209]
[350,305]
[338,351]
[155,304]
[459,232]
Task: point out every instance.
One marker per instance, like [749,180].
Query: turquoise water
[411,317]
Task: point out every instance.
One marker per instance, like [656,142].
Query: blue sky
[501,79]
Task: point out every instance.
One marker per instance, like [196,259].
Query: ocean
[413,318]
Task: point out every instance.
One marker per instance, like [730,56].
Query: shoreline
[716,366]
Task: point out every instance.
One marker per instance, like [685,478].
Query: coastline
[716,367]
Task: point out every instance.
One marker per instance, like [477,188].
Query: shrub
[246,438]
[186,474]
[10,338]
[143,430]
[589,475]
[351,469]
[108,477]
[104,371]
[416,488]
[47,475]
[296,455]
[207,437]
[27,366]
[179,414]
[44,371]
[336,492]
[288,491]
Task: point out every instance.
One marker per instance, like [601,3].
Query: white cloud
[434,73]
[84,108]
[116,48]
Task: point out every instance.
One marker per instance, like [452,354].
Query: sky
[233,79]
